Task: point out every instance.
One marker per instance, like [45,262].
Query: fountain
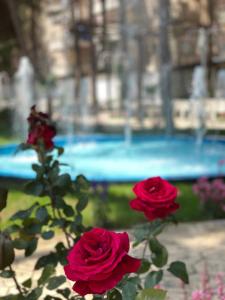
[24,95]
[220,84]
[84,105]
[199,87]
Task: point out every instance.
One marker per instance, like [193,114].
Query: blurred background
[136,89]
[102,64]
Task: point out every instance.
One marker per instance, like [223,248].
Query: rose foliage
[95,260]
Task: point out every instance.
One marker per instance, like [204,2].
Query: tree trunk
[124,46]
[140,72]
[93,58]
[210,47]
[13,11]
[165,65]
[77,66]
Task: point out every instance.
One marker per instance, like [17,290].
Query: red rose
[42,133]
[155,198]
[99,260]
[40,129]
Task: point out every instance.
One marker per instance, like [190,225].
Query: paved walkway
[194,243]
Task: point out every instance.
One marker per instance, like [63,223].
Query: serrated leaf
[55,282]
[178,269]
[151,294]
[159,253]
[3,198]
[153,278]
[47,272]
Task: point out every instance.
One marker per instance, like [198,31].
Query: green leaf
[153,278]
[35,294]
[129,291]
[82,203]
[13,228]
[178,269]
[39,170]
[114,295]
[159,253]
[63,181]
[64,292]
[144,231]
[81,182]
[20,244]
[42,214]
[151,294]
[48,297]
[47,235]
[35,188]
[6,274]
[54,172]
[51,258]
[23,214]
[27,283]
[31,226]
[61,253]
[47,272]
[55,282]
[31,247]
[3,198]
[145,266]
[68,210]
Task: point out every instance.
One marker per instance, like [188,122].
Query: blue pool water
[108,158]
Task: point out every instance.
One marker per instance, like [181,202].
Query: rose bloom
[99,260]
[42,133]
[40,129]
[155,198]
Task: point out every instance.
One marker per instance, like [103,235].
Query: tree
[165,64]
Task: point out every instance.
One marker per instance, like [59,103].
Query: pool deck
[194,243]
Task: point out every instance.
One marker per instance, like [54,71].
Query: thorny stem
[15,281]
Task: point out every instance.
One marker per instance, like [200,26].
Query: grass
[118,212]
